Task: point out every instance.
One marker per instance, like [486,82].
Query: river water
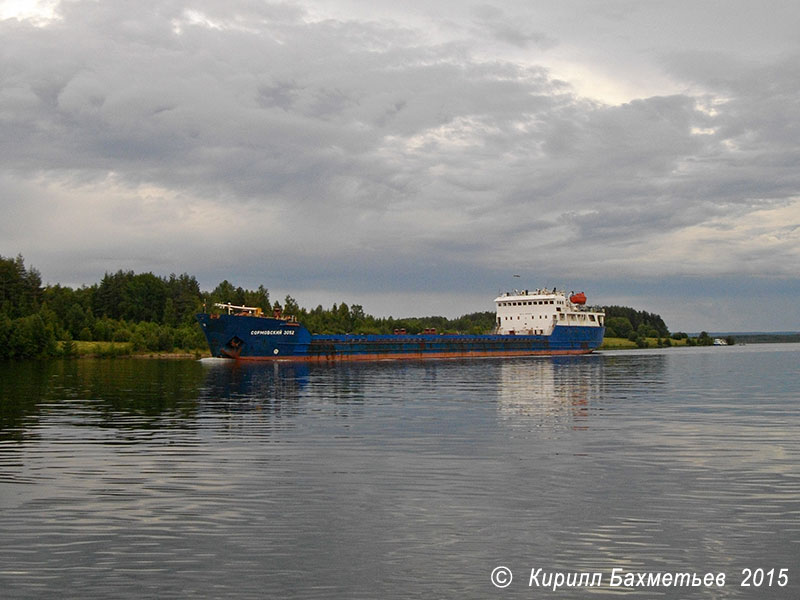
[208,479]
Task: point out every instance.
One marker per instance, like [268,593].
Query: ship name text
[272,332]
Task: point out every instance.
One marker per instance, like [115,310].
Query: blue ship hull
[260,338]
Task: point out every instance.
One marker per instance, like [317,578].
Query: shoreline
[98,350]
[122,349]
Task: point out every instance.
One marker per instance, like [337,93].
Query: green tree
[20,288]
[103,330]
[110,299]
[290,307]
[618,327]
[30,337]
[6,326]
[68,349]
[637,317]
[170,317]
[144,298]
[184,291]
[704,339]
[77,319]
[225,293]
[645,330]
[258,298]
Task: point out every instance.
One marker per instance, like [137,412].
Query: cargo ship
[528,322]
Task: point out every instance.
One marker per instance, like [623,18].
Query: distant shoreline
[625,344]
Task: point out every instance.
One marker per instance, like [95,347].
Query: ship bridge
[538,312]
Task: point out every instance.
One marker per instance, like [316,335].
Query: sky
[413,157]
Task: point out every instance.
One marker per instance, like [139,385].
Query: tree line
[622,321]
[145,311]
[142,310]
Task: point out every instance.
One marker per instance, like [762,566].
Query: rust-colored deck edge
[410,355]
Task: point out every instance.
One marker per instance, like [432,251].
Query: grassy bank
[612,343]
[124,349]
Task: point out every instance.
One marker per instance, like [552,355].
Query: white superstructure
[537,312]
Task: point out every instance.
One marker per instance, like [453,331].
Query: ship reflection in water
[251,400]
[545,392]
[267,382]
[555,392]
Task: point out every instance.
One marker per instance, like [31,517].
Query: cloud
[335,151]
[496,24]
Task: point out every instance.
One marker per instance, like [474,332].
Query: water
[206,479]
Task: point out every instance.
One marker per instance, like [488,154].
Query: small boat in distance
[528,322]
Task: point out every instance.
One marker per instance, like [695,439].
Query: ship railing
[250,310]
[536,292]
[587,309]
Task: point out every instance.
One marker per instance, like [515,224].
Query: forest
[149,313]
